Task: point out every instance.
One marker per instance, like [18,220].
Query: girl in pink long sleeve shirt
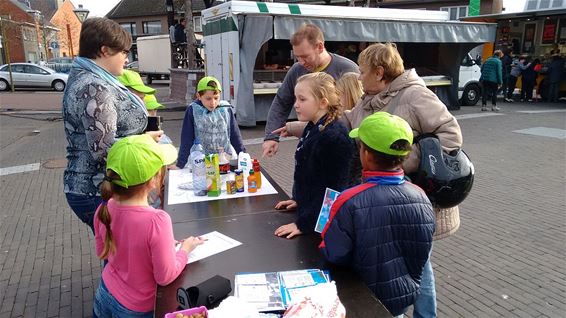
[136,239]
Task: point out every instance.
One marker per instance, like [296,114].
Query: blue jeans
[106,306]
[84,207]
[425,305]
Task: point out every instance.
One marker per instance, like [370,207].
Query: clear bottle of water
[196,159]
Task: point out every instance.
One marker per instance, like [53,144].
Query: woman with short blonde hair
[389,87]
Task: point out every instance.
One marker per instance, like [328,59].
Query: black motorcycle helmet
[446,178]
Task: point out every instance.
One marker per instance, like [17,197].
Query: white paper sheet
[182,176]
[293,279]
[214,243]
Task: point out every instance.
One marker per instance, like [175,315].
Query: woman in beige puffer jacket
[389,87]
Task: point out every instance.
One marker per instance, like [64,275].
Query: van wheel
[471,95]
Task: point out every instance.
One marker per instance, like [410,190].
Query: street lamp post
[81,13]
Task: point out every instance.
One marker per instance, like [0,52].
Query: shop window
[457,12]
[197,23]
[544,4]
[151,27]
[130,27]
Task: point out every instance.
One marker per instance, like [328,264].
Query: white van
[469,89]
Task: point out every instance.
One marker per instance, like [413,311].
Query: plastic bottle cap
[251,171]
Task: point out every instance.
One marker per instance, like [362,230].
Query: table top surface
[226,207]
[252,221]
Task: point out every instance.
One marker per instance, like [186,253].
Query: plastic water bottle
[198,167]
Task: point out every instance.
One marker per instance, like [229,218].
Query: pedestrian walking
[555,76]
[491,78]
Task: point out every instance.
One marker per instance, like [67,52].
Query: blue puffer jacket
[383,228]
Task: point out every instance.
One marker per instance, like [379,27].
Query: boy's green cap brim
[137,159]
[203,84]
[151,102]
[380,130]
[133,80]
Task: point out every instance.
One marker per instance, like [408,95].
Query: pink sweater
[145,254]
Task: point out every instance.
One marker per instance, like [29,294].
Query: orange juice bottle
[252,185]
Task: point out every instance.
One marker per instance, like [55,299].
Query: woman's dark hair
[385,161]
[98,32]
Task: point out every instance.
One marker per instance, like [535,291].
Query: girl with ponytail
[136,239]
[323,154]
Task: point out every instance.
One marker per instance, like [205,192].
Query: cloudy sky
[98,8]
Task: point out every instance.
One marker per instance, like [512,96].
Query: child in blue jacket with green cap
[211,121]
[383,227]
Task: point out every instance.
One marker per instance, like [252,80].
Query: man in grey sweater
[308,48]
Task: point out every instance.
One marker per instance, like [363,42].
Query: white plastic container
[244,162]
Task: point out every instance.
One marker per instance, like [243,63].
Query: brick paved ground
[507,260]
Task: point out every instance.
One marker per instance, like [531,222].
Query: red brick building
[26,33]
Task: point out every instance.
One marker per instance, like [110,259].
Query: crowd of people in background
[529,70]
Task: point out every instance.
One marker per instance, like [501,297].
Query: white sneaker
[484,108]
[495,108]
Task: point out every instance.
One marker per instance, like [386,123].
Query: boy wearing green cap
[152,105]
[132,80]
[383,227]
[136,239]
[211,121]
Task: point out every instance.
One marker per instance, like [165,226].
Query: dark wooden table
[252,221]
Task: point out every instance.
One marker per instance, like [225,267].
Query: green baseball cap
[380,130]
[137,158]
[151,102]
[203,84]
[133,80]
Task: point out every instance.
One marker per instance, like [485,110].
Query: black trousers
[512,81]
[489,89]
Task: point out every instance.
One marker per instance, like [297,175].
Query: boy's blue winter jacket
[382,228]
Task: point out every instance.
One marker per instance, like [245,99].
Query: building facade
[27,33]
[66,21]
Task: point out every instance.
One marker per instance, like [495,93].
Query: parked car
[32,75]
[60,64]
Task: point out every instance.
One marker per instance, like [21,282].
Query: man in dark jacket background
[383,228]
[555,74]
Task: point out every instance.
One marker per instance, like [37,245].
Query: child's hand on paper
[289,231]
[190,243]
[286,205]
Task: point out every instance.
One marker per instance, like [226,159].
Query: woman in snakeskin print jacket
[97,110]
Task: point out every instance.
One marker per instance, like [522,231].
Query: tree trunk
[190,31]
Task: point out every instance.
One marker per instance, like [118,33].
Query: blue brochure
[329,197]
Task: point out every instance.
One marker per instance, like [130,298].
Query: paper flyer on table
[329,197]
[274,291]
[214,243]
[178,195]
